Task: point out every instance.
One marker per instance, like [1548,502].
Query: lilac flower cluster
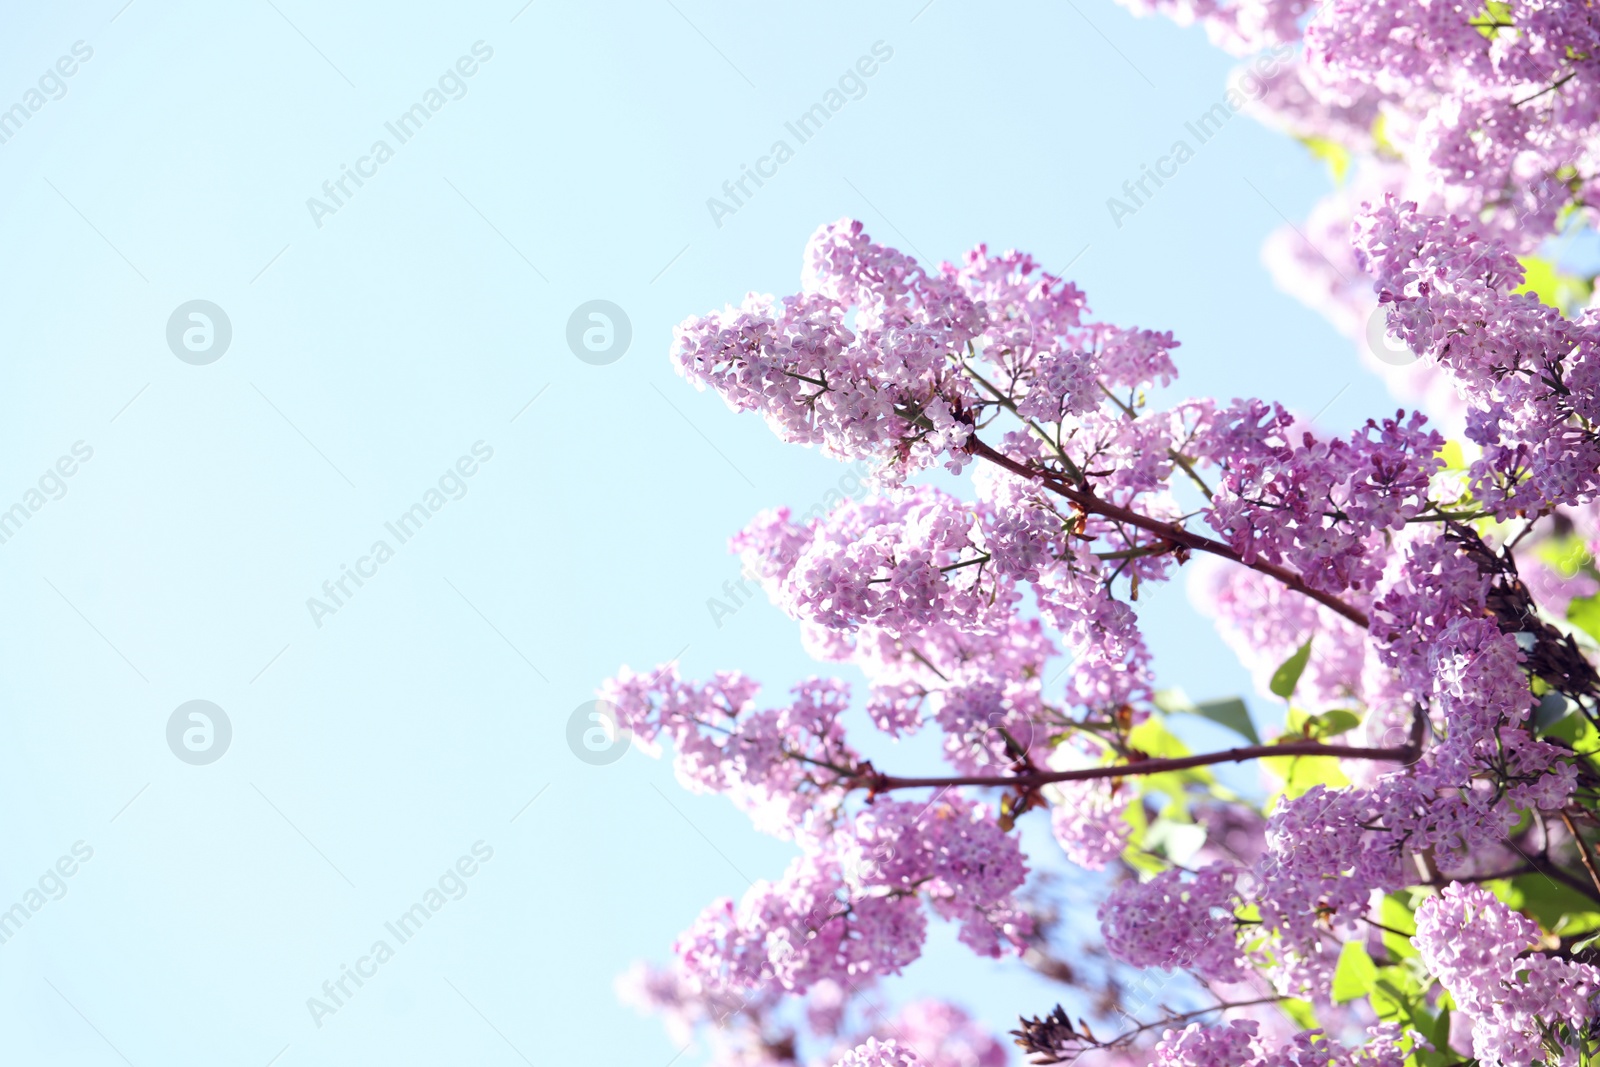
[1325,505]
[1235,1044]
[848,910]
[1173,921]
[1494,106]
[1531,377]
[875,1053]
[892,387]
[1484,954]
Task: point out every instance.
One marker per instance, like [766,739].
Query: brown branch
[1087,501]
[1583,849]
[881,783]
[1546,89]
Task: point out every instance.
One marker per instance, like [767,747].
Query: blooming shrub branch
[954,608]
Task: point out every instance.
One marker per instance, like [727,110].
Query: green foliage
[1552,708]
[1557,909]
[1300,1012]
[1353,978]
[1286,677]
[1567,555]
[1300,773]
[1397,912]
[1494,17]
[1334,154]
[1134,854]
[1154,739]
[1330,723]
[1380,137]
[1565,292]
[1584,613]
[1230,712]
[1578,732]
[1176,841]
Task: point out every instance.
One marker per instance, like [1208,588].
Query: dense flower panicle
[875,1053]
[920,564]
[1231,1044]
[943,1035]
[1480,687]
[1495,107]
[894,562]
[1237,1044]
[805,928]
[1435,634]
[954,854]
[849,908]
[1325,505]
[894,387]
[1173,922]
[722,743]
[1318,872]
[1433,585]
[1329,850]
[1089,822]
[1529,376]
[1481,952]
[984,690]
[1502,107]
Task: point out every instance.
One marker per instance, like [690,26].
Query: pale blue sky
[369,354]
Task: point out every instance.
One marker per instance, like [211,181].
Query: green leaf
[1584,613]
[1439,1033]
[1135,855]
[1173,701]
[1231,713]
[1141,860]
[1286,677]
[1178,841]
[1355,975]
[1390,1002]
[1544,280]
[1494,17]
[1300,1012]
[1396,914]
[1551,709]
[1553,906]
[1567,555]
[1577,731]
[1300,773]
[1333,723]
[1334,154]
[1152,737]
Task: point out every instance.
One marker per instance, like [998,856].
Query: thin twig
[1583,849]
[880,783]
[1087,501]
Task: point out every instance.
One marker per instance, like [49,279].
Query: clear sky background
[369,353]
